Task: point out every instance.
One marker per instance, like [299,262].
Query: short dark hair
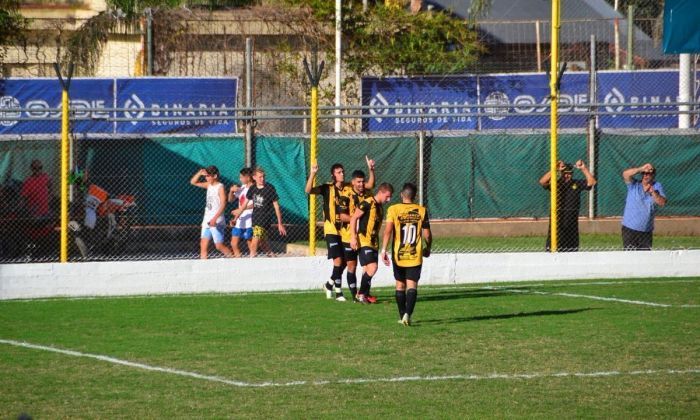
[246,171]
[385,186]
[409,190]
[336,166]
[212,170]
[358,174]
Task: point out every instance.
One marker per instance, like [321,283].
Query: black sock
[401,302]
[365,283]
[352,283]
[337,278]
[411,296]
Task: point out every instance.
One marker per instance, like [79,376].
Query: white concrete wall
[297,273]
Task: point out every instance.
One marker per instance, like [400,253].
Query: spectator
[241,221]
[568,203]
[36,191]
[213,224]
[643,197]
[263,199]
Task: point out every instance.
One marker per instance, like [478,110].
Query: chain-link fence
[131,196]
[477,144]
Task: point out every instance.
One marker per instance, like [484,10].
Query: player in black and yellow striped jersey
[350,198]
[330,192]
[408,226]
[364,235]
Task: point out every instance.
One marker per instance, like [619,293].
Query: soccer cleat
[371,299]
[328,289]
[340,298]
[406,320]
[361,298]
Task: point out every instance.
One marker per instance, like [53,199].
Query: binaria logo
[7,102]
[614,97]
[501,100]
[134,108]
[378,106]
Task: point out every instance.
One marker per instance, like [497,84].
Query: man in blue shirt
[643,197]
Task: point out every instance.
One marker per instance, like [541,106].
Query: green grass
[592,242]
[262,337]
[588,242]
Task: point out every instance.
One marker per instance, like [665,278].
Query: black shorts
[406,273]
[368,255]
[350,254]
[334,247]
[634,240]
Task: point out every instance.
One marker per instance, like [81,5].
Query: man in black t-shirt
[263,199]
[568,203]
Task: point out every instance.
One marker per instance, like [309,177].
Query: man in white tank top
[213,223]
[242,220]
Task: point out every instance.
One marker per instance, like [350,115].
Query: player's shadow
[505,316]
[462,294]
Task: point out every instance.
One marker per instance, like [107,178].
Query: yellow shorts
[259,232]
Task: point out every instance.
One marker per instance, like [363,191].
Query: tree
[12,23]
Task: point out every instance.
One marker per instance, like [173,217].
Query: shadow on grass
[461,294]
[505,316]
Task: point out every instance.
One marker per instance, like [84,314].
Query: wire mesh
[479,156]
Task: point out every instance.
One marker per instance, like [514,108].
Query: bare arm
[547,177]
[590,179]
[353,228]
[628,173]
[280,227]
[388,231]
[369,184]
[309,188]
[232,192]
[659,199]
[196,177]
[428,237]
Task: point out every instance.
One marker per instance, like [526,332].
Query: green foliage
[394,41]
[391,40]
[11,21]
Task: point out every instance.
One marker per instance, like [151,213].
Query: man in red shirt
[36,192]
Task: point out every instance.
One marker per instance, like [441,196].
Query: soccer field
[621,348]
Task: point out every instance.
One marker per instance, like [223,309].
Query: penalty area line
[349,381]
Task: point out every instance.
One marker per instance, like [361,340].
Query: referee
[408,224]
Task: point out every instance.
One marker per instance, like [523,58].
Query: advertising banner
[41,97]
[523,100]
[195,104]
[441,98]
[649,89]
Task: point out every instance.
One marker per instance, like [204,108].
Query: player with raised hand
[408,226]
[331,192]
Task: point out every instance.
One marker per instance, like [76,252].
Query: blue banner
[524,100]
[650,89]
[192,103]
[454,95]
[88,97]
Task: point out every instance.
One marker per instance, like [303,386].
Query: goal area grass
[590,348]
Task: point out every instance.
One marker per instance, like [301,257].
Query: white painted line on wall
[603,298]
[350,381]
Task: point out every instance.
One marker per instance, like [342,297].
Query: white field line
[350,381]
[608,299]
[314,291]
